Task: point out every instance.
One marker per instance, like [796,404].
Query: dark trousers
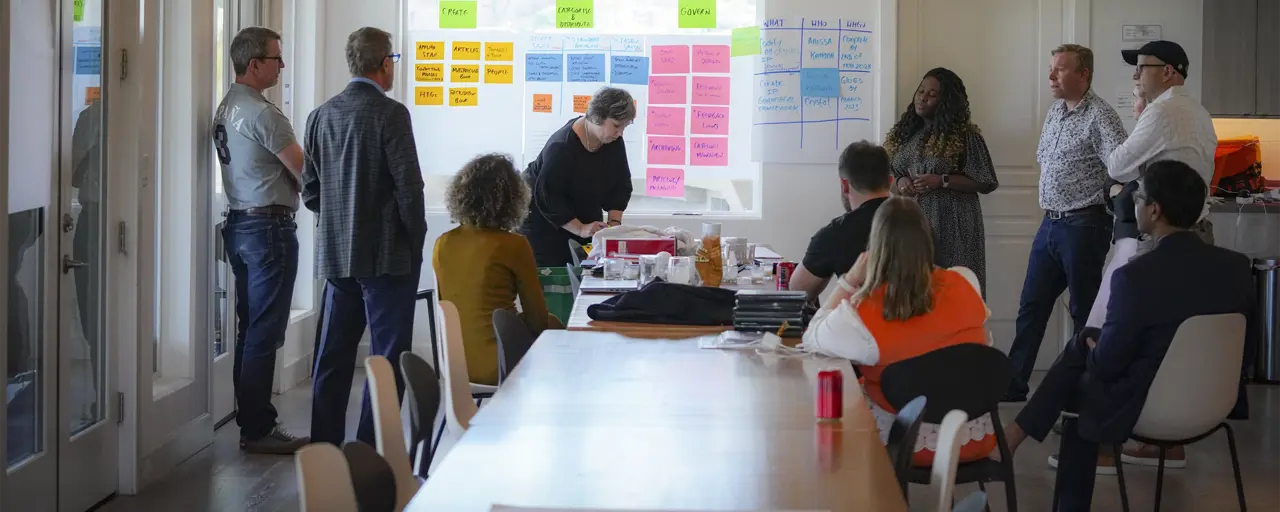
[263,253]
[386,305]
[1063,390]
[1068,253]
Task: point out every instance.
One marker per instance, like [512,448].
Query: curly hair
[488,193]
[947,136]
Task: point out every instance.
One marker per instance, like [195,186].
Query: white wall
[1181,21]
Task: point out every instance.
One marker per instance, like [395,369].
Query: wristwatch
[946,181]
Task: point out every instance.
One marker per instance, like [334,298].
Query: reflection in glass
[24,396]
[221,269]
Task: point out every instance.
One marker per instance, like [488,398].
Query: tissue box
[636,247]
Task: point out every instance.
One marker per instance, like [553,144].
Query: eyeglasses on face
[395,57]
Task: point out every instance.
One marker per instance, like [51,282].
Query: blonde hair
[900,259]
[1084,57]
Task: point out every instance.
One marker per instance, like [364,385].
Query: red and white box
[634,248]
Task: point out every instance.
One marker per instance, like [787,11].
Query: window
[728,188]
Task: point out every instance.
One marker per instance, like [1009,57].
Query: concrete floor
[221,478]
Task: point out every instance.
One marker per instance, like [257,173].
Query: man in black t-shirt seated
[864,185]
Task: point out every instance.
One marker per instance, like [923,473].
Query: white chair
[459,407]
[946,458]
[324,480]
[388,427]
[478,391]
[1194,390]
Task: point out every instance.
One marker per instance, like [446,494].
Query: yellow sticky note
[463,97]
[428,96]
[464,73]
[498,74]
[542,103]
[430,50]
[466,50]
[499,51]
[429,72]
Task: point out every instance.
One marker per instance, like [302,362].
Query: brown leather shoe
[1149,455]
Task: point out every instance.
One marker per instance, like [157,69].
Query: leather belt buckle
[1054,215]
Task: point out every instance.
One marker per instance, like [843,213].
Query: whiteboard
[814,88]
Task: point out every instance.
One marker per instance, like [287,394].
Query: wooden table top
[580,321]
[599,420]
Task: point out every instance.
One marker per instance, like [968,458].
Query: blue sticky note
[626,69]
[586,67]
[543,67]
[88,60]
[820,82]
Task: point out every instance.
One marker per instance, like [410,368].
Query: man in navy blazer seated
[1104,375]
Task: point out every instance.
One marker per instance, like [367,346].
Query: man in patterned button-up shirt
[1070,248]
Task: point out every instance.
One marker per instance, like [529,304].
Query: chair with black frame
[514,340]
[969,377]
[371,478]
[577,252]
[575,278]
[424,405]
[902,439]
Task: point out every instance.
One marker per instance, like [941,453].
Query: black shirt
[568,182]
[834,248]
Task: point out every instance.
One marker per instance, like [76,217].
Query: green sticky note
[575,14]
[745,41]
[77,10]
[697,13]
[457,14]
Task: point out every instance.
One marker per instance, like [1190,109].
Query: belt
[1088,210]
[274,210]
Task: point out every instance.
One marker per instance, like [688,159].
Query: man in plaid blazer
[362,177]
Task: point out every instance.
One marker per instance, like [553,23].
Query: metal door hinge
[124,64]
[119,407]
[121,239]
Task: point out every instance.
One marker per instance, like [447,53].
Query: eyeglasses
[1141,67]
[395,57]
[277,58]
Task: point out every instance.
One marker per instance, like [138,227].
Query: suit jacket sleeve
[310,171]
[1122,331]
[406,175]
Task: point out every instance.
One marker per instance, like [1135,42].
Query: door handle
[68,263]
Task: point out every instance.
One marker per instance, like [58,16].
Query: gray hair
[611,103]
[367,49]
[251,43]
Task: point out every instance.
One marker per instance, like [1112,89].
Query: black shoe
[277,442]
[1012,397]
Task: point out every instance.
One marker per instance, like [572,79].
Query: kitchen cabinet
[1240,78]
[1268,88]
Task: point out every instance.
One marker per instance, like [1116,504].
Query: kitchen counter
[1252,229]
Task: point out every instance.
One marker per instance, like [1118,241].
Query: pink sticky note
[660,182]
[670,60]
[708,151]
[668,90]
[710,58]
[666,150]
[708,121]
[667,121]
[708,90]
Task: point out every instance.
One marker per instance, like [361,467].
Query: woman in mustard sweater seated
[893,305]
[483,265]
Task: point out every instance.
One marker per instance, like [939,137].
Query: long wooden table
[599,420]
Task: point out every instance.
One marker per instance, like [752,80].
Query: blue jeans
[263,252]
[1068,253]
[385,304]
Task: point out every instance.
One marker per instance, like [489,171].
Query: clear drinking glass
[648,268]
[613,269]
[681,270]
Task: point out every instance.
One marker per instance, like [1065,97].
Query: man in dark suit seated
[1104,375]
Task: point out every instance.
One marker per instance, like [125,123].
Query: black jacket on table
[568,182]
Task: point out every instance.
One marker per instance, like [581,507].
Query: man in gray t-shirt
[260,160]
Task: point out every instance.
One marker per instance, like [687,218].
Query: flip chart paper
[455,14]
[668,90]
[665,121]
[709,121]
[428,96]
[663,182]
[670,60]
[575,14]
[666,150]
[710,58]
[709,151]
[710,90]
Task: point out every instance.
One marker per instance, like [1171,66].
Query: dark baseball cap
[1168,52]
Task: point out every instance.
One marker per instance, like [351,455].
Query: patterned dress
[956,217]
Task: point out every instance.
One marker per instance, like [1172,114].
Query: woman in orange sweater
[894,304]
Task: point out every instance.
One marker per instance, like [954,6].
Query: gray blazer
[361,176]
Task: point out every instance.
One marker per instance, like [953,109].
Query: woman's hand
[589,230]
[905,187]
[858,274]
[927,182]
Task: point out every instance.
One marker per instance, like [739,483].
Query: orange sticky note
[465,73]
[542,103]
[92,94]
[430,50]
[429,72]
[466,50]
[580,103]
[498,73]
[463,97]
[499,51]
[428,96]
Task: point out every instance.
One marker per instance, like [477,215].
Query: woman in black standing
[580,174]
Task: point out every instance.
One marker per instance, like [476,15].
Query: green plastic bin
[558,291]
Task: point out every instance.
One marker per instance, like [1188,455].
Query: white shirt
[1173,127]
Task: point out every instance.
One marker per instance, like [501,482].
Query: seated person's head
[488,193]
[864,173]
[900,259]
[1170,197]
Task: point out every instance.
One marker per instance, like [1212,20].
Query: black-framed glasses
[277,58]
[395,57]
[1142,67]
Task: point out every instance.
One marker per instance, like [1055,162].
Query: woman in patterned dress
[939,157]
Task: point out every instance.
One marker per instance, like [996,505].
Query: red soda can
[782,273]
[830,394]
